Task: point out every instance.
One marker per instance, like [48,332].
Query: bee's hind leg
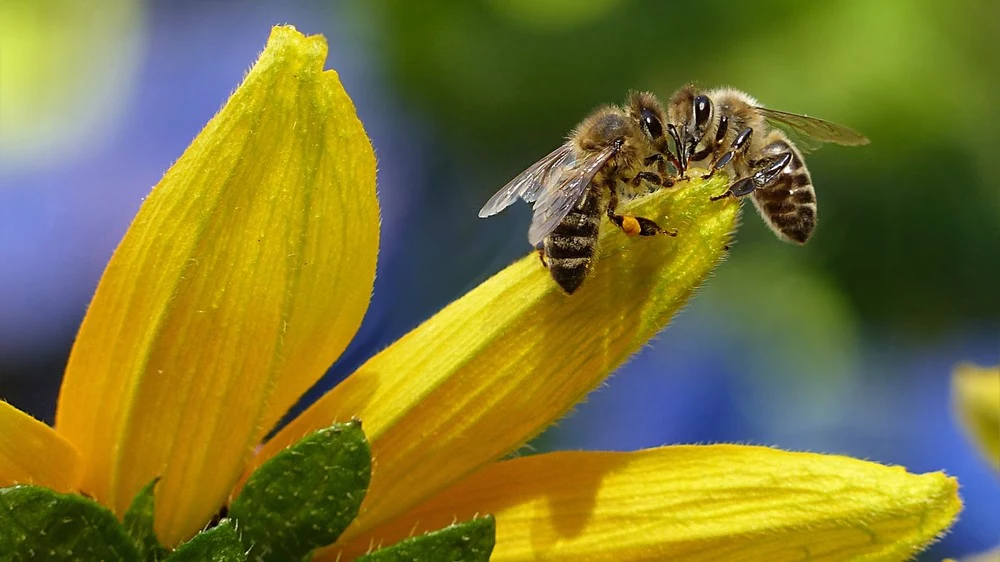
[541,256]
[634,226]
[765,171]
[739,188]
[639,226]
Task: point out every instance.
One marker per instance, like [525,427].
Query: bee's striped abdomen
[788,203]
[571,247]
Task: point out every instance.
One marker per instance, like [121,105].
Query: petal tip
[286,39]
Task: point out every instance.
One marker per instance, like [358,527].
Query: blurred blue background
[845,346]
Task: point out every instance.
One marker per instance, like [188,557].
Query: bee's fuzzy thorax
[741,109]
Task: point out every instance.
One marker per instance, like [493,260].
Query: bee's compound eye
[652,124]
[702,111]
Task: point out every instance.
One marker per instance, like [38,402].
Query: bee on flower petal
[616,152]
[761,149]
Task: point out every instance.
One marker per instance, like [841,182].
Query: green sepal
[39,524]
[139,524]
[305,496]
[471,541]
[218,544]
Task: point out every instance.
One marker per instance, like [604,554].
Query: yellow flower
[975,393]
[248,270]
[976,397]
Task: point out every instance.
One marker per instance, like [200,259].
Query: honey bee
[727,129]
[610,155]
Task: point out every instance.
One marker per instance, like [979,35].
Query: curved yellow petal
[721,502]
[500,364]
[245,274]
[33,453]
[976,398]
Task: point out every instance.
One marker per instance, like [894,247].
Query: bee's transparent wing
[563,191]
[808,133]
[528,183]
[551,175]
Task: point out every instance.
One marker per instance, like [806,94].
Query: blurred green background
[843,346]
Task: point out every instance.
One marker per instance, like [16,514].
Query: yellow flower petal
[976,397]
[33,453]
[500,364]
[722,502]
[245,274]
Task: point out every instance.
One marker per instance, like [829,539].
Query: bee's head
[646,111]
[691,114]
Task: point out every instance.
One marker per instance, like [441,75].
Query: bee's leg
[664,178]
[651,177]
[633,226]
[648,227]
[661,165]
[739,188]
[541,256]
[667,179]
[739,146]
[765,171]
[717,148]
[628,224]
[656,158]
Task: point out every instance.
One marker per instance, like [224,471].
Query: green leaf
[218,544]
[39,524]
[306,495]
[139,524]
[469,542]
